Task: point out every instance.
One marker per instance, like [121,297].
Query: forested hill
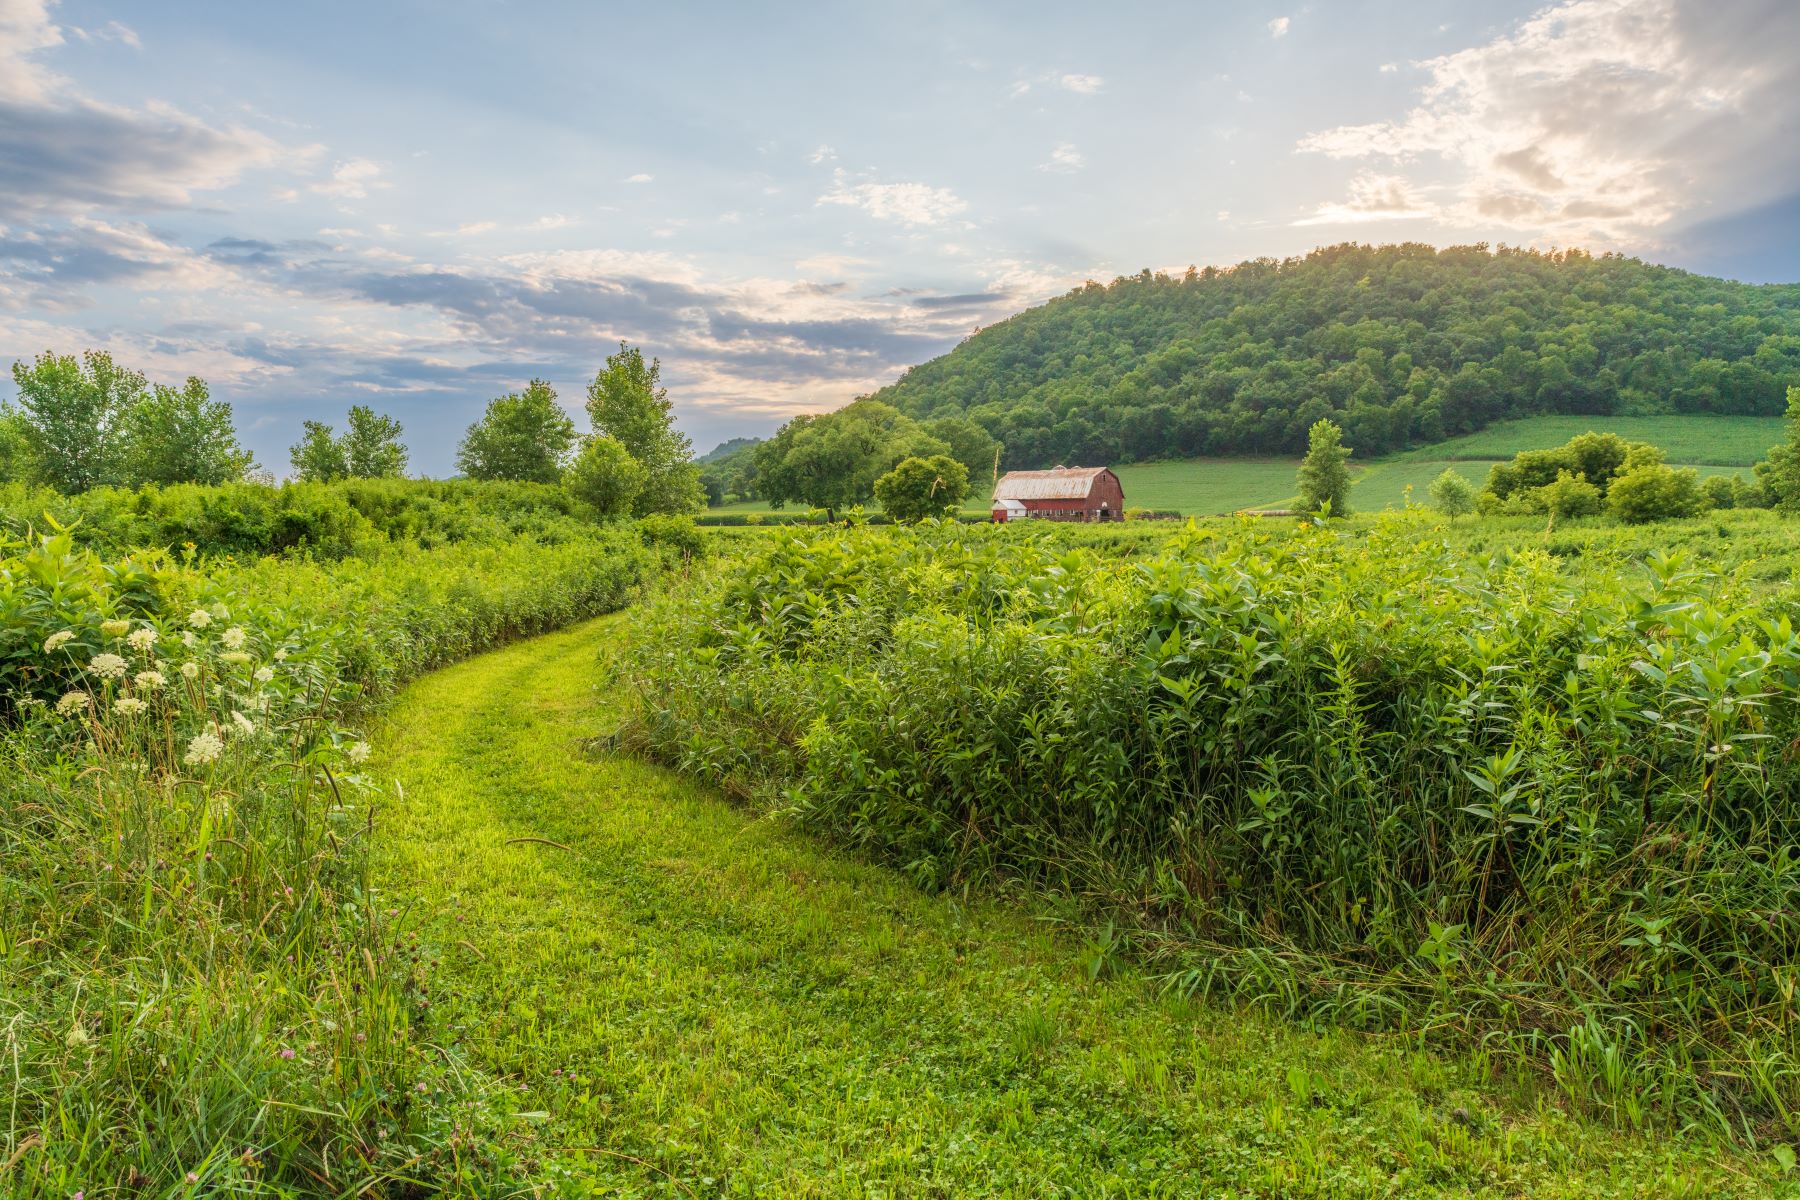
[1401,345]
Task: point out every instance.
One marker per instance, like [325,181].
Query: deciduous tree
[1452,494]
[606,476]
[73,411]
[918,488]
[181,435]
[627,403]
[524,435]
[1324,476]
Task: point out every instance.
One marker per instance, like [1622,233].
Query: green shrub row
[1543,801]
[330,520]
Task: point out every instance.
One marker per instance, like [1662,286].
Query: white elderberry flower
[142,639]
[58,640]
[199,618]
[150,681]
[72,702]
[233,638]
[130,706]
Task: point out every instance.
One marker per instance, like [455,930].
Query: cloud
[64,153]
[640,177]
[1597,120]
[56,269]
[823,153]
[1081,85]
[910,204]
[1373,197]
[112,31]
[351,180]
[1278,28]
[1063,159]
[552,221]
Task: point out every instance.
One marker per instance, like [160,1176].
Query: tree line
[1398,345]
[88,422]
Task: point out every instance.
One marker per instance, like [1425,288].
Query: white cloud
[1278,28]
[1064,158]
[1373,197]
[351,180]
[909,204]
[474,227]
[1389,68]
[1081,85]
[1597,120]
[640,177]
[65,152]
[1224,214]
[112,31]
[823,153]
[553,221]
[1019,88]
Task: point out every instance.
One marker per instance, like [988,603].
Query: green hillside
[1404,346]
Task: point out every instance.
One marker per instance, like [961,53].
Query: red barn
[1065,494]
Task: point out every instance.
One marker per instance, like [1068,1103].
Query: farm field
[1211,486]
[700,1001]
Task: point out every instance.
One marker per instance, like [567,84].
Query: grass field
[682,999]
[1712,445]
[1205,486]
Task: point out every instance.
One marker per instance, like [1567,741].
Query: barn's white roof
[1064,483]
[1010,505]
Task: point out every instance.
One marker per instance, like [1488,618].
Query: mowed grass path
[743,1012]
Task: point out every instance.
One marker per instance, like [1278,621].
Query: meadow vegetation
[202,988]
[1521,792]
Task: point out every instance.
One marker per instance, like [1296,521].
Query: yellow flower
[115,628]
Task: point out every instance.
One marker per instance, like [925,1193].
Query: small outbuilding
[1063,494]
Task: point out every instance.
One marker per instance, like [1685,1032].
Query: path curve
[712,1005]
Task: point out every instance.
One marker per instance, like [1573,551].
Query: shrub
[1654,491]
[669,531]
[1498,791]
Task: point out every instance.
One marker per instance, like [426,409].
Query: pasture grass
[1715,445]
[684,999]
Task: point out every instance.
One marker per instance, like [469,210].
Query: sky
[421,205]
